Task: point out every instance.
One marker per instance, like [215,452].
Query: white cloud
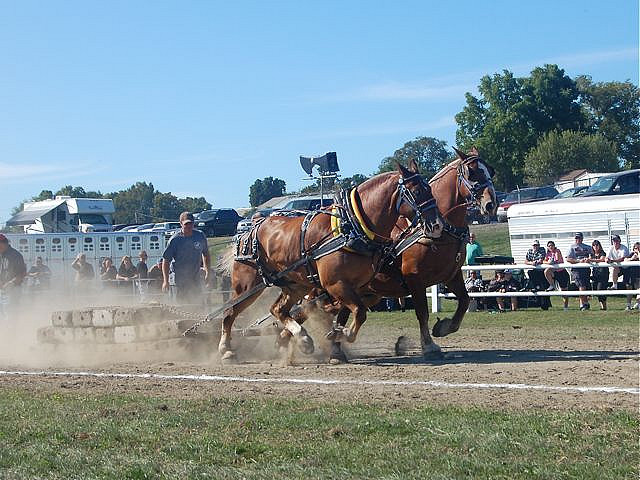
[34,172]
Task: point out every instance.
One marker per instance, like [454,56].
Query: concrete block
[124,334]
[63,335]
[156,331]
[46,335]
[84,335]
[149,314]
[124,316]
[105,335]
[103,317]
[61,319]
[82,318]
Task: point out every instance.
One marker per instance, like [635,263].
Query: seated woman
[599,275]
[127,270]
[558,278]
[107,270]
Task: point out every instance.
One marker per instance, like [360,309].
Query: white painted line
[313,381]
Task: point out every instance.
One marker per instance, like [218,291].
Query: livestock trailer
[558,220]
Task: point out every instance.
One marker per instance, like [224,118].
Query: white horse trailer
[558,220]
[58,250]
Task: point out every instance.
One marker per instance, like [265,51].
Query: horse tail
[225,265]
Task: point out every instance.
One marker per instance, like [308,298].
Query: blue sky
[203,97]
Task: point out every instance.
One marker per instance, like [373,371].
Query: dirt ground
[473,356]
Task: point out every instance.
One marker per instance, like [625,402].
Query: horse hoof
[305,344]
[228,357]
[439,328]
[338,360]
[430,356]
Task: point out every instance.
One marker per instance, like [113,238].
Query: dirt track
[474,356]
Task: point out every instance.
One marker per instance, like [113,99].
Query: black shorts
[581,277]
[562,277]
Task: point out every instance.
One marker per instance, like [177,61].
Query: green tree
[429,153]
[265,189]
[561,152]
[511,114]
[193,204]
[166,207]
[134,204]
[613,110]
[333,184]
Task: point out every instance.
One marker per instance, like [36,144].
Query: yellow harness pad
[335,220]
[356,211]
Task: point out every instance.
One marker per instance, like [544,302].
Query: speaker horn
[327,163]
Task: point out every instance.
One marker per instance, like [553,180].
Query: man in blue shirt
[186,254]
[579,253]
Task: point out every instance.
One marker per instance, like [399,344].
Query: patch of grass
[78,436]
[493,237]
[609,324]
[217,246]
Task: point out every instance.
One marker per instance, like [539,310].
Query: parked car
[121,227]
[309,202]
[572,192]
[525,195]
[620,183]
[141,228]
[218,222]
[245,224]
[164,227]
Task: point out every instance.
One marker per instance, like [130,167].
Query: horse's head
[416,202]
[474,181]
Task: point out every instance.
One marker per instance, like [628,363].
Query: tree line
[140,203]
[530,129]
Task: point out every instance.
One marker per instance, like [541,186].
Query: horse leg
[281,310]
[430,349]
[337,356]
[450,325]
[224,346]
[349,298]
[243,279]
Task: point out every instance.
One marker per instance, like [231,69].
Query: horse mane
[445,170]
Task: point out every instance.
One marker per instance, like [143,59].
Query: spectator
[632,276]
[617,253]
[509,284]
[474,250]
[537,281]
[40,274]
[495,285]
[108,271]
[141,267]
[84,270]
[474,284]
[599,275]
[12,272]
[558,278]
[579,253]
[126,271]
[185,253]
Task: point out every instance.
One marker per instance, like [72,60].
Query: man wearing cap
[535,256]
[12,271]
[186,252]
[579,253]
[617,253]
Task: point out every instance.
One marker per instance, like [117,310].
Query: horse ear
[461,155]
[403,170]
[475,151]
[413,166]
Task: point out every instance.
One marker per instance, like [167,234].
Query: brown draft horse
[384,198]
[429,262]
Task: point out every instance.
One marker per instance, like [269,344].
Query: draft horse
[279,242]
[463,182]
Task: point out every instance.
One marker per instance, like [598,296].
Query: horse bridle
[405,195]
[474,188]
